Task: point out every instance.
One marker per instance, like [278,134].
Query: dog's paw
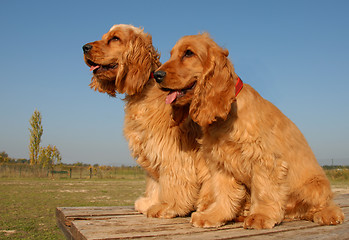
[161,210]
[142,204]
[331,215]
[258,221]
[200,219]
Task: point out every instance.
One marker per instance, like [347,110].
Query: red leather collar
[238,86]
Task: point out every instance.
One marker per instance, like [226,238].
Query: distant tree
[78,164]
[4,157]
[36,131]
[49,156]
[23,160]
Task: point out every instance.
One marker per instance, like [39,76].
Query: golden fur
[162,138]
[253,150]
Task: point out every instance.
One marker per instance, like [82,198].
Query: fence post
[70,170]
[90,172]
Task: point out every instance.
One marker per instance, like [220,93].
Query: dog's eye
[188,53]
[115,38]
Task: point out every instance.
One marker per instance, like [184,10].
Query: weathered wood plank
[143,227]
[124,223]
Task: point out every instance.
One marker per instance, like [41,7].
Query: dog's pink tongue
[171,97]
[94,67]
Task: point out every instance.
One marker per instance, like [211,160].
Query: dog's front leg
[228,195]
[178,193]
[269,191]
[151,196]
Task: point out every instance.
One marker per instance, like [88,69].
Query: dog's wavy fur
[162,138]
[251,147]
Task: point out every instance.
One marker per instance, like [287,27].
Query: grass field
[27,205]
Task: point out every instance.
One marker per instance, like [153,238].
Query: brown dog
[250,146]
[162,138]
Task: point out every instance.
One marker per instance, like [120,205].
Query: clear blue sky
[294,53]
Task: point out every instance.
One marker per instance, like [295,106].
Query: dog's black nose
[159,76]
[86,48]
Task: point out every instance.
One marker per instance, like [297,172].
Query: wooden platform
[124,223]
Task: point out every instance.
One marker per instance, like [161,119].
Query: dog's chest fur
[153,134]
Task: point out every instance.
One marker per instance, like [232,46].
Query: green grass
[27,206]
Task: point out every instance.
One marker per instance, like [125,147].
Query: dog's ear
[103,86]
[138,63]
[215,91]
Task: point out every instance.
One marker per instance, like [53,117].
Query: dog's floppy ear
[138,61]
[215,91]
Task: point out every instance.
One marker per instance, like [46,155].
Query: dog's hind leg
[315,202]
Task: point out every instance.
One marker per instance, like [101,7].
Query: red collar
[151,75]
[238,86]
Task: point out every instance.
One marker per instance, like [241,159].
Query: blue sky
[294,53]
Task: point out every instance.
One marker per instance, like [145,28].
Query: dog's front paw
[332,215]
[142,204]
[258,221]
[200,219]
[161,210]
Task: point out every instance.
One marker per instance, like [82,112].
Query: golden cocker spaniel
[161,137]
[251,147]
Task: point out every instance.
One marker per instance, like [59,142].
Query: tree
[49,156]
[4,157]
[36,131]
